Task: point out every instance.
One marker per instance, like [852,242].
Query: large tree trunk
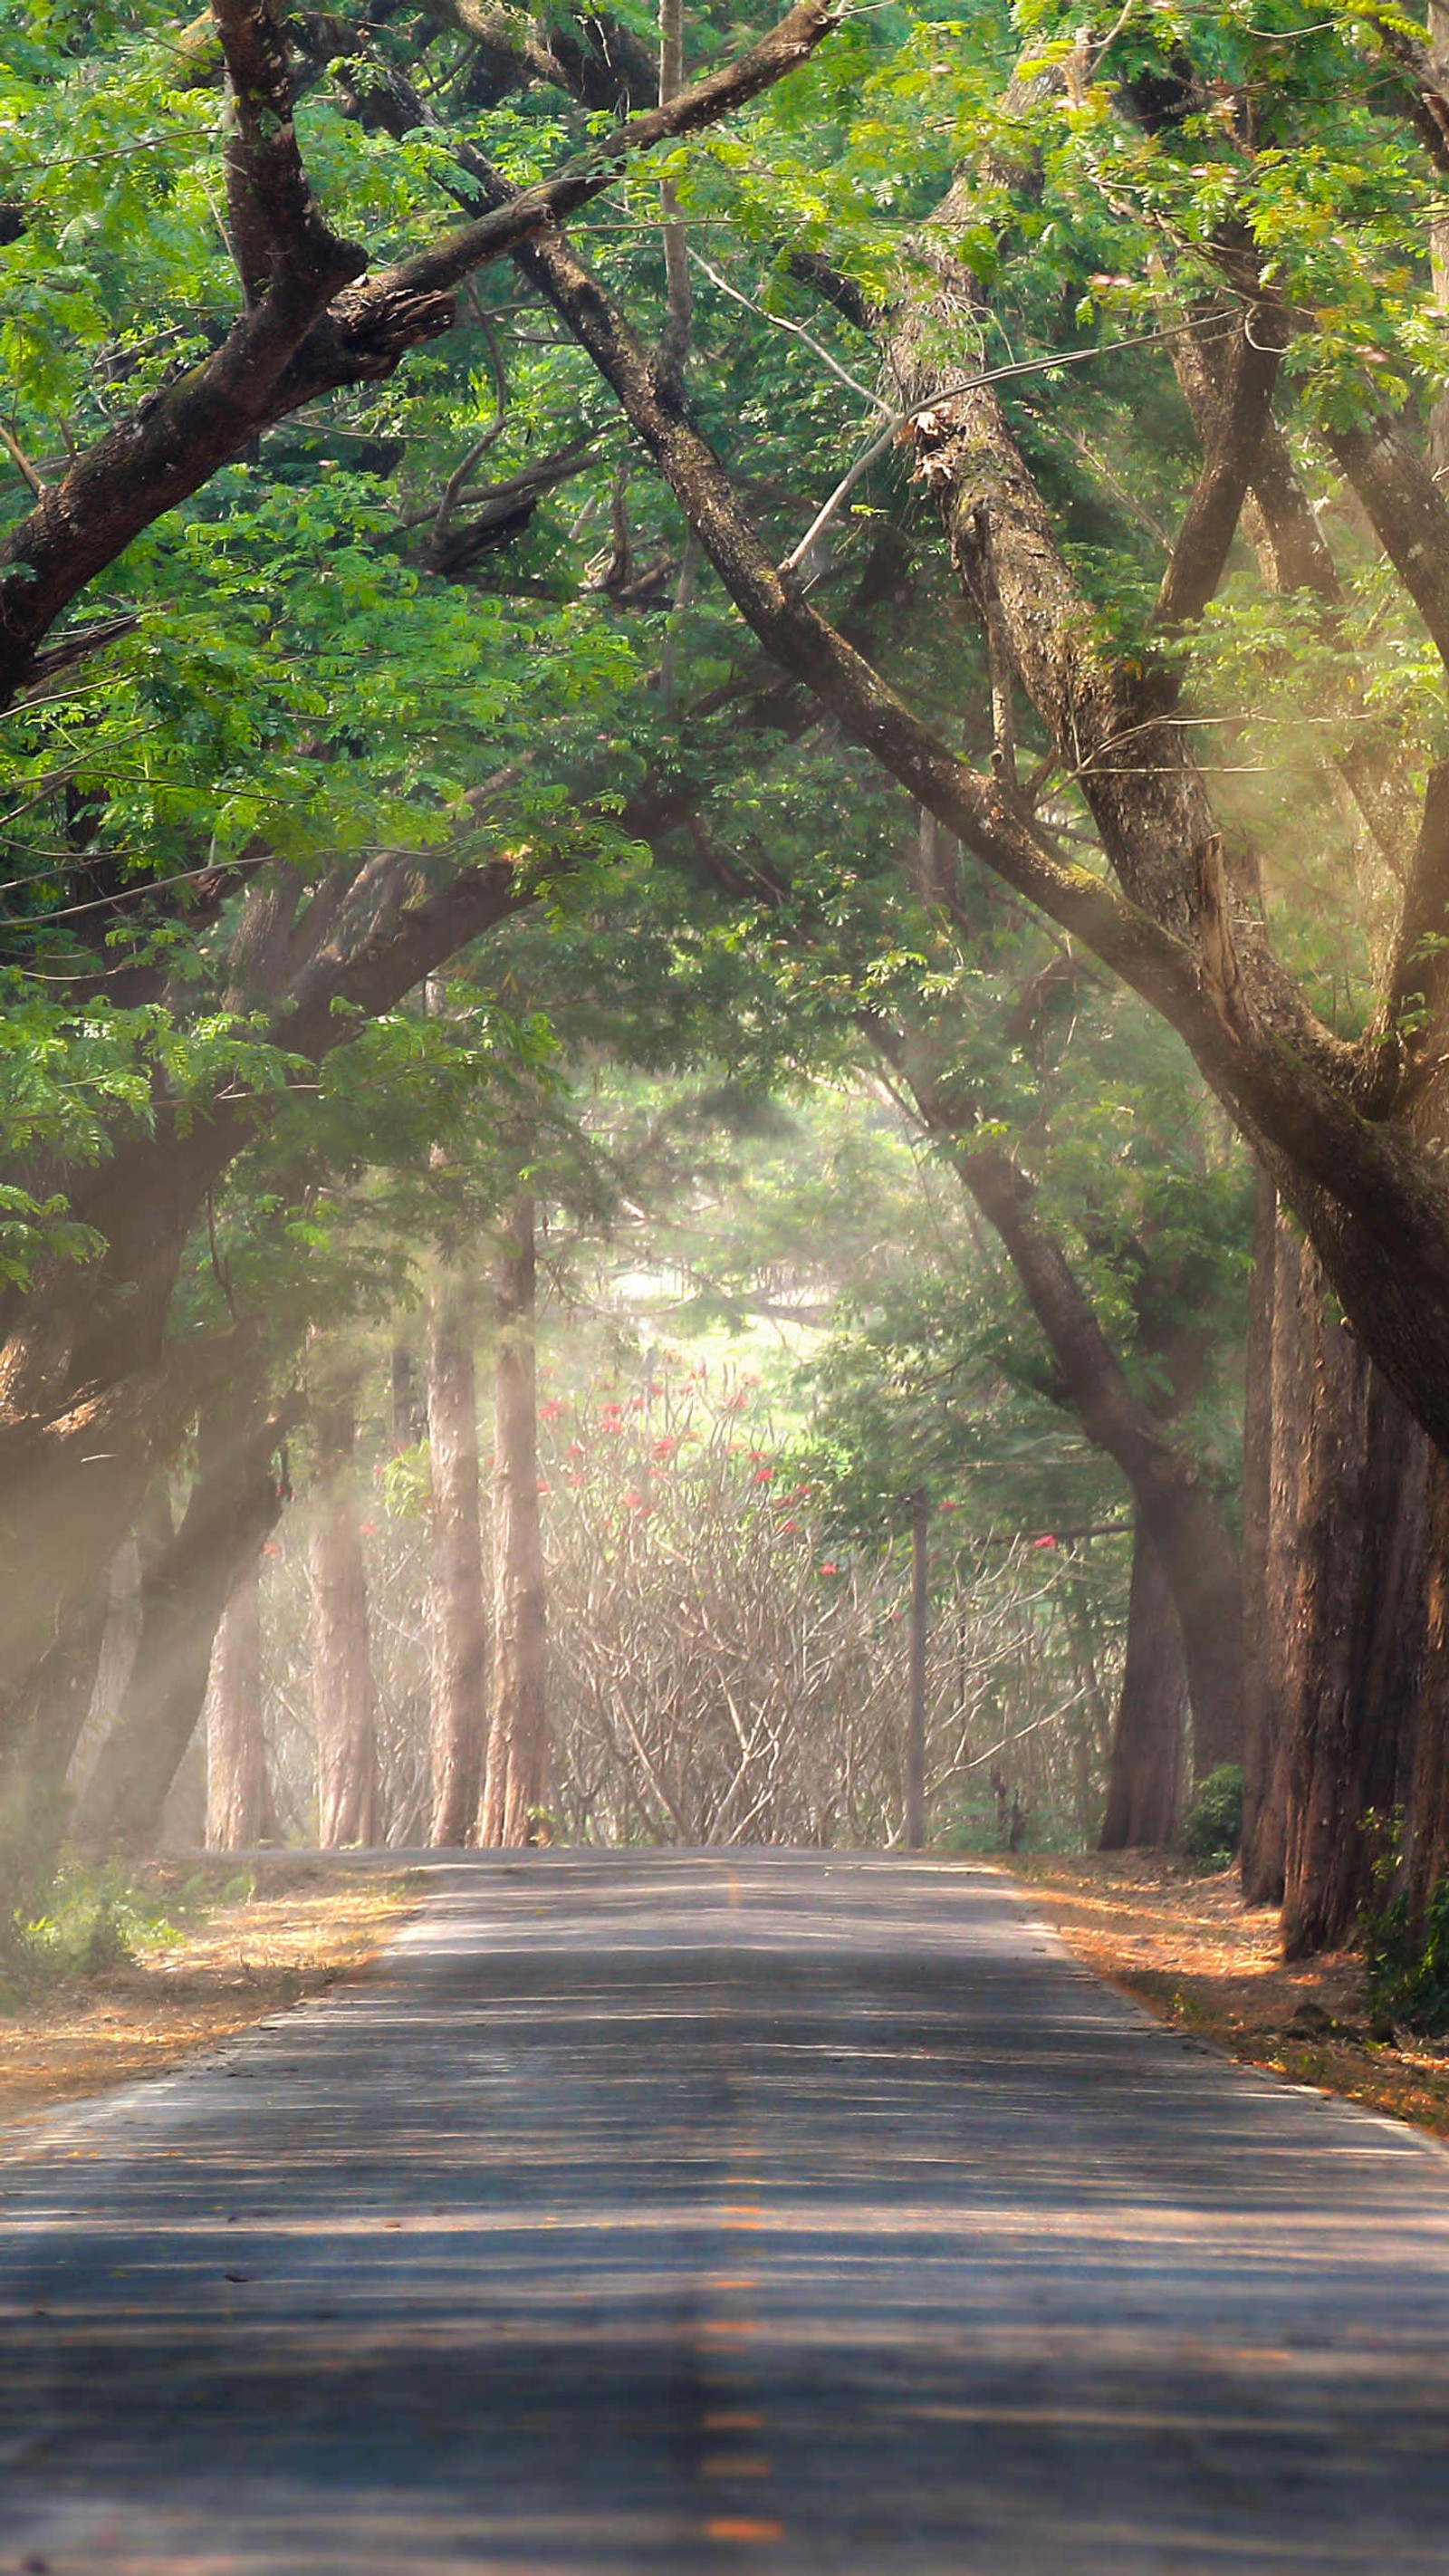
[1428,1799]
[239,1809]
[1149,1741]
[343,1704]
[1349,1603]
[234,1504]
[517,1773]
[459,1670]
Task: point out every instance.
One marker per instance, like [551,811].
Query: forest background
[850,747]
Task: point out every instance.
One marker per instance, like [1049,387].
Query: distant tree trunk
[1264,1781]
[343,1706]
[517,1772]
[239,1809]
[1354,1494]
[1149,1741]
[459,1619]
[233,1505]
[915,1817]
[409,1409]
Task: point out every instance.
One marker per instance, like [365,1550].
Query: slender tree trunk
[343,1706]
[459,1672]
[1264,1788]
[1149,1741]
[234,1503]
[239,1809]
[915,1816]
[1352,1607]
[517,1773]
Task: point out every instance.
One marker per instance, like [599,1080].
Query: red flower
[948,1505]
[764,1475]
[830,1566]
[367,1529]
[271,1548]
[665,1446]
[1044,1542]
[633,1502]
[787,1526]
[576,1449]
[550,1412]
[545,1489]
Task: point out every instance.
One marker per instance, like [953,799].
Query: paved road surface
[767,2212]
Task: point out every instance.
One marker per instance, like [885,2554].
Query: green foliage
[1212,1828]
[1406,1963]
[99,1919]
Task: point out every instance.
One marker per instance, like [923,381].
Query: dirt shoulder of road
[1198,1957]
[228,1961]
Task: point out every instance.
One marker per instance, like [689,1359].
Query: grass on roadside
[126,1974]
[1190,1950]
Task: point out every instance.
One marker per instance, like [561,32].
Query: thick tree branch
[301,339]
[1410,519]
[1200,554]
[282,244]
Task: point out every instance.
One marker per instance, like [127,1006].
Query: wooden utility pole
[916,1715]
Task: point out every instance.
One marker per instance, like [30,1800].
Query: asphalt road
[760,2211]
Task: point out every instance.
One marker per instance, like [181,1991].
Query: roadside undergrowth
[1187,1947]
[126,1974]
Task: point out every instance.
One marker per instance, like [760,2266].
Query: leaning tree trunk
[343,1704]
[1170,1489]
[1149,1741]
[1348,1604]
[239,1808]
[234,1504]
[517,1772]
[459,1664]
[33,1816]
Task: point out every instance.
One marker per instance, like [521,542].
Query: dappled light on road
[775,2210]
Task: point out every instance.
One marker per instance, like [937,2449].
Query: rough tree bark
[1149,1740]
[343,1704]
[459,1667]
[233,1506]
[1348,1564]
[239,1809]
[516,1781]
